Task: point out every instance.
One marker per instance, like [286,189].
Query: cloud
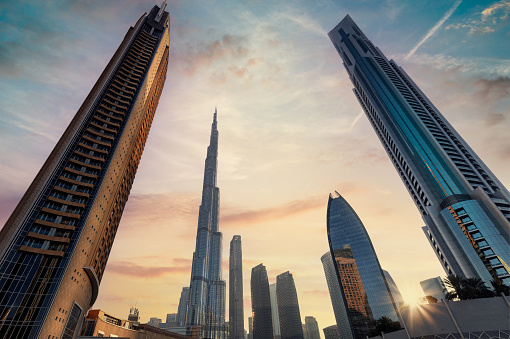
[272,213]
[435,28]
[317,292]
[494,89]
[491,18]
[144,271]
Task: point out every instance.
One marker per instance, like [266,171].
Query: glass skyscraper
[288,307]
[261,304]
[235,282]
[206,309]
[274,311]
[55,245]
[182,309]
[465,208]
[365,291]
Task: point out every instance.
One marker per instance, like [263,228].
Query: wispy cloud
[144,271]
[486,21]
[435,28]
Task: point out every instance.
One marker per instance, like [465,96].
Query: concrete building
[56,243]
[465,208]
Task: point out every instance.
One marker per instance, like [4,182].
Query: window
[72,322]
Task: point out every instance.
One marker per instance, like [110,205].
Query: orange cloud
[317,292]
[134,270]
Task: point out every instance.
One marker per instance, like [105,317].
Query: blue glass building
[206,309]
[465,208]
[365,291]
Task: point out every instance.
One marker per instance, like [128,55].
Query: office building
[236,312]
[250,328]
[365,291]
[206,309]
[288,307]
[55,245]
[395,292]
[274,311]
[261,304]
[171,320]
[331,332]
[312,328]
[434,287]
[465,208]
[182,309]
[336,296]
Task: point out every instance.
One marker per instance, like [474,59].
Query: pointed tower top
[215,114]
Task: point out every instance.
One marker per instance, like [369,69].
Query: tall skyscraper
[331,332]
[261,303]
[182,309]
[336,296]
[395,292]
[312,328]
[288,307]
[274,311]
[434,287]
[236,312]
[365,291]
[206,309]
[250,328]
[55,245]
[466,209]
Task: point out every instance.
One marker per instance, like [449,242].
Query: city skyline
[280,54]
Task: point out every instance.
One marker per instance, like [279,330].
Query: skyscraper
[365,291]
[55,245]
[465,208]
[182,309]
[395,292]
[312,328]
[261,303]
[336,296]
[288,307]
[434,287]
[274,311]
[236,313]
[206,309]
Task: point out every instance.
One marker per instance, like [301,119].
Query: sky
[290,129]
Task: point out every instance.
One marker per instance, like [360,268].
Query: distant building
[236,311]
[274,311]
[154,322]
[182,310]
[288,307]
[331,332]
[366,292]
[434,287]
[134,315]
[261,303]
[100,324]
[395,292]
[305,334]
[250,328]
[171,319]
[312,328]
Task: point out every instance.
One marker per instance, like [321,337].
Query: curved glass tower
[206,309]
[261,303]
[55,245]
[364,288]
[288,307]
[466,209]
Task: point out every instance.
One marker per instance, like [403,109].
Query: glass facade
[274,311]
[206,309]
[439,169]
[55,245]
[359,273]
[236,311]
[182,310]
[288,307]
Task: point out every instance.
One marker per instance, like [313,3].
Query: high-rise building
[154,321]
[206,309]
[274,311]
[55,245]
[395,292]
[312,328]
[288,307]
[331,332]
[261,303]
[171,320]
[364,287]
[465,208]
[250,328]
[182,309]
[336,296]
[236,312]
[434,287]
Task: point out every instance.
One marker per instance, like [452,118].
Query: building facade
[331,332]
[274,311]
[434,287]
[465,208]
[262,323]
[182,309]
[312,328]
[236,312]
[206,309]
[395,292]
[55,245]
[288,307]
[365,291]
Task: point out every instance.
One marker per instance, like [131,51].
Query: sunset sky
[290,129]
